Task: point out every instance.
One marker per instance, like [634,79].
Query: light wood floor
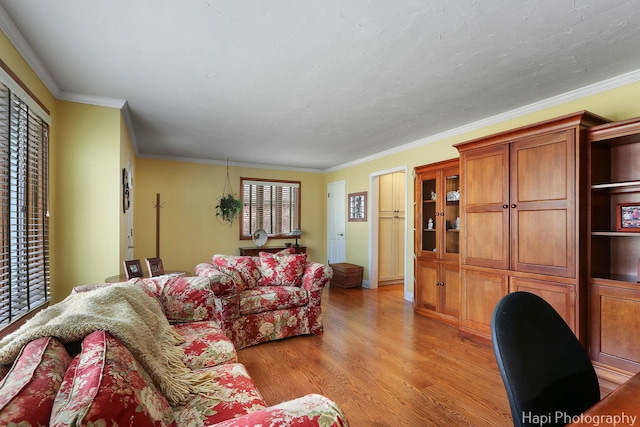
[384,365]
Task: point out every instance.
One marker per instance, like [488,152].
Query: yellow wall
[189,231]
[615,104]
[85,144]
[87,216]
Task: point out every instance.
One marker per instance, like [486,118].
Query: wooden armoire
[523,202]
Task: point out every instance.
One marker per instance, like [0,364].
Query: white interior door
[336,214]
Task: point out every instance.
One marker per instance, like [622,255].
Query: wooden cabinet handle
[505,206]
[513,206]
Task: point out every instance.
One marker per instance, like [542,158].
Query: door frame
[374,190]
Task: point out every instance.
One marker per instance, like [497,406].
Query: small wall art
[358,206]
[628,217]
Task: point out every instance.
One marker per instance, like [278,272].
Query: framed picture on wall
[628,217]
[132,268]
[358,206]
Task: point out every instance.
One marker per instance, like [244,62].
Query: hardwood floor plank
[384,365]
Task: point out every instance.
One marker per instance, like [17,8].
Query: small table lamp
[296,234]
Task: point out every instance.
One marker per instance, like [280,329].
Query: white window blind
[271,205]
[24,222]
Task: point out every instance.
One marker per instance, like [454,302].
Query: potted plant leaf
[227,208]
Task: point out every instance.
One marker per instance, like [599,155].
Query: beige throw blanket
[131,316]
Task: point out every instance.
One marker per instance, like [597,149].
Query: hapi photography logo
[558,417]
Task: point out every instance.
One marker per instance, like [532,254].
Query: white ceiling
[316,84]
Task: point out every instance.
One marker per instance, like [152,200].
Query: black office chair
[548,375]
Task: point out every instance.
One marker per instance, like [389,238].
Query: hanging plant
[228,206]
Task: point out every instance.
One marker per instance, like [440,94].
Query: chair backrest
[546,372]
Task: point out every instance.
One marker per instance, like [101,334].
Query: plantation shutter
[271,205]
[24,225]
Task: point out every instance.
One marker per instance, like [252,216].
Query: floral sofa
[99,382]
[269,297]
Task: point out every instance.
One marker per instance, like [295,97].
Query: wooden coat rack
[158,206]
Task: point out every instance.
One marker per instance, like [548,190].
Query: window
[24,188]
[271,205]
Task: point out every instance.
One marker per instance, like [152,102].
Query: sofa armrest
[221,284]
[225,290]
[316,276]
[309,411]
[183,298]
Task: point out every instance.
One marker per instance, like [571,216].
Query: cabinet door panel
[481,291]
[485,213]
[386,226]
[543,241]
[560,296]
[484,178]
[450,211]
[386,202]
[543,204]
[614,327]
[486,244]
[542,166]
[398,233]
[450,292]
[427,291]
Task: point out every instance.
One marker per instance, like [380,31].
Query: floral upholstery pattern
[270,298]
[242,269]
[258,328]
[222,284]
[205,345]
[312,410]
[28,390]
[104,385]
[281,269]
[184,299]
[240,396]
[107,386]
[255,315]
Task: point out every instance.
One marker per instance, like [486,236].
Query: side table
[123,277]
[255,251]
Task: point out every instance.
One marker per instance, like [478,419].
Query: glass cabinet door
[452,212]
[428,219]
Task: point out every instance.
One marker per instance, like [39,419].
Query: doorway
[374,229]
[391,222]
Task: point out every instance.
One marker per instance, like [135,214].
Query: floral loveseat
[99,382]
[269,297]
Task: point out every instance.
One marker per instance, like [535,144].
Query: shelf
[428,201]
[615,233]
[619,187]
[614,279]
[455,230]
[428,229]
